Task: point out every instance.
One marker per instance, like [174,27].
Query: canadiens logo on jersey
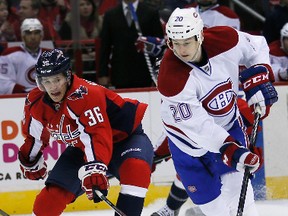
[31,75]
[78,93]
[220,100]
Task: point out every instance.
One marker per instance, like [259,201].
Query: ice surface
[266,208]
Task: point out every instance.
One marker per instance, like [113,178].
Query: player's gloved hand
[258,88]
[34,170]
[93,177]
[152,45]
[238,157]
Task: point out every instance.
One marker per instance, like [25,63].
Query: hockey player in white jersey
[199,111]
[17,64]
[214,14]
[279,55]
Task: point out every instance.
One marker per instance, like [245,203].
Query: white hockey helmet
[284,33]
[184,23]
[31,24]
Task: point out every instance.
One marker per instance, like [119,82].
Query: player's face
[285,44]
[187,49]
[32,39]
[55,86]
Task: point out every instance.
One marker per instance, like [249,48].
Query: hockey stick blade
[159,159]
[108,202]
[253,137]
[3,213]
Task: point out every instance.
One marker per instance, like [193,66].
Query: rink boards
[17,194]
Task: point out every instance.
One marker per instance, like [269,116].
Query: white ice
[266,208]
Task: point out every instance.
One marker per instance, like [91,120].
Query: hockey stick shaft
[3,213]
[139,31]
[246,176]
[108,202]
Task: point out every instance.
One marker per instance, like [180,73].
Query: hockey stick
[108,202]
[253,137]
[159,159]
[3,213]
[146,55]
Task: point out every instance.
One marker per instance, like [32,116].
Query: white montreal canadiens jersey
[279,60]
[199,104]
[17,66]
[219,16]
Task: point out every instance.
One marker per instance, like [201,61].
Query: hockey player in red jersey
[206,135]
[102,131]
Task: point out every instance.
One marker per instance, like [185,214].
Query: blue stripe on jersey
[182,140]
[121,118]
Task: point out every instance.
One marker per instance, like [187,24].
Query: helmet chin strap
[169,44]
[196,55]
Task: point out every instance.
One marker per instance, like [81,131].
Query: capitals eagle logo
[78,93]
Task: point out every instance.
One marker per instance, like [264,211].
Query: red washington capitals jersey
[91,118]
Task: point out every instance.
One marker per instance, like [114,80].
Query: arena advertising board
[273,137]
